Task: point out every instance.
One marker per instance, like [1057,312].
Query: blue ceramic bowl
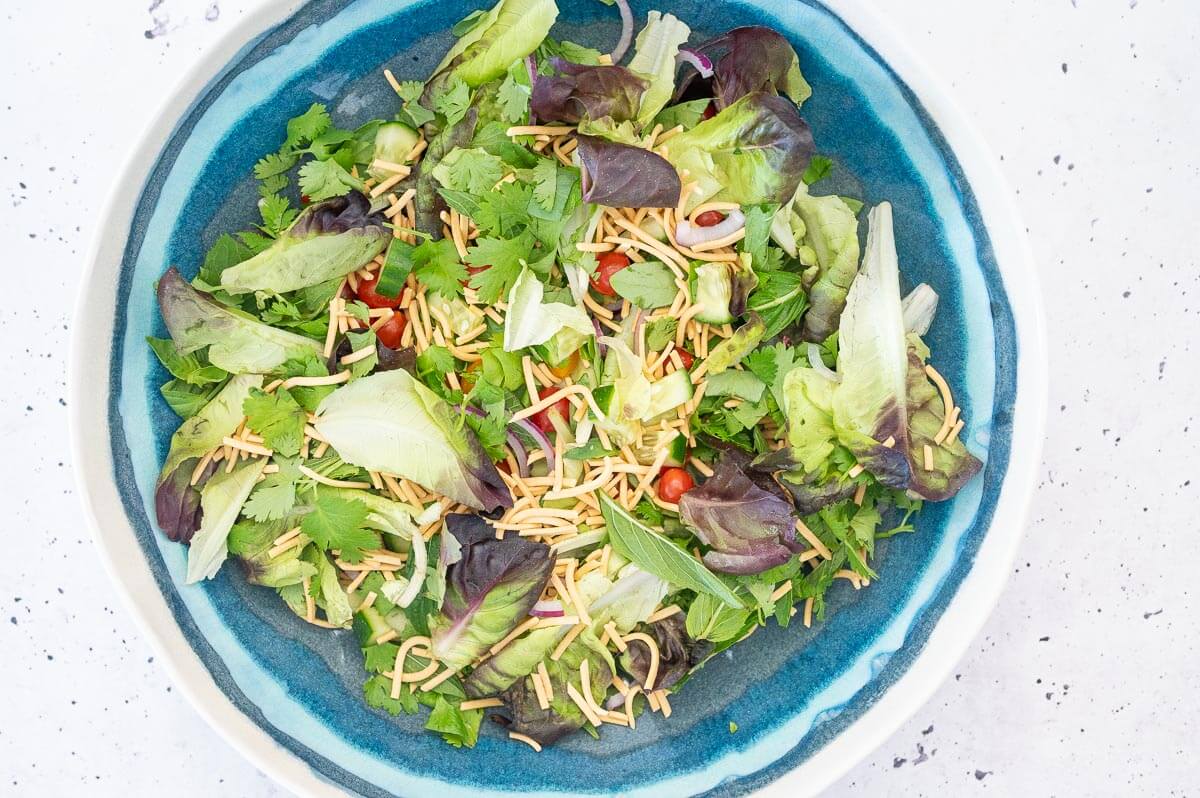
[807,701]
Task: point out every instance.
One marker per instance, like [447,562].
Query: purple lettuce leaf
[678,653]
[749,529]
[748,59]
[488,591]
[177,501]
[580,92]
[623,176]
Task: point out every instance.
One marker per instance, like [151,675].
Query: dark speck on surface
[980,775]
[1145,615]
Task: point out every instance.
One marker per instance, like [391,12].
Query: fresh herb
[336,523]
[278,418]
[818,169]
[648,285]
[322,180]
[654,553]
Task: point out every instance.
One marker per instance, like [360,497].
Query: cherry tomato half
[390,332]
[607,265]
[562,408]
[710,111]
[710,219]
[566,367]
[673,483]
[686,357]
[366,292]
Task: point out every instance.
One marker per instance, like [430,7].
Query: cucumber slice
[369,624]
[668,393]
[714,290]
[393,141]
[653,443]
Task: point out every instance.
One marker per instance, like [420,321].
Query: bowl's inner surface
[787,690]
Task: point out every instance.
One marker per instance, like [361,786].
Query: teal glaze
[789,690]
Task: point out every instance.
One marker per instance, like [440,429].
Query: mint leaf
[362,340]
[660,332]
[185,399]
[189,368]
[226,251]
[278,418]
[654,553]
[322,180]
[337,523]
[648,285]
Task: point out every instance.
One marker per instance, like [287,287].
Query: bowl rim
[960,622]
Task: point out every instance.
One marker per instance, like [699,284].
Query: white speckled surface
[1078,685]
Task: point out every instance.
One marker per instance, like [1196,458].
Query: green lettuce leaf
[509,31]
[654,56]
[389,422]
[236,341]
[530,321]
[221,501]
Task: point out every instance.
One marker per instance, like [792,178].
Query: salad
[557,379]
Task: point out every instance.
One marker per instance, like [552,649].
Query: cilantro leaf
[436,264]
[277,214]
[762,364]
[272,185]
[377,691]
[454,102]
[322,180]
[278,418]
[503,259]
[308,366]
[818,169]
[275,496]
[457,727]
[337,523]
[410,90]
[513,98]
[472,170]
[505,211]
[274,164]
[380,658]
[432,366]
[306,127]
[491,433]
[545,183]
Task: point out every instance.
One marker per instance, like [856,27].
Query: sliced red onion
[691,235]
[697,59]
[518,450]
[626,31]
[614,701]
[600,348]
[814,360]
[542,439]
[551,608]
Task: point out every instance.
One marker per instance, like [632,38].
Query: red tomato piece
[673,483]
[606,266]
[390,332]
[709,111]
[366,292]
[686,357]
[562,408]
[710,219]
